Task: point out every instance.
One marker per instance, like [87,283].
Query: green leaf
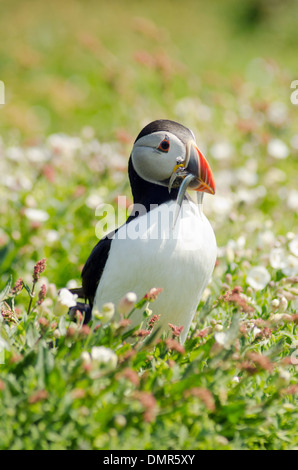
[205,310]
[4,293]
[31,335]
[150,339]
[4,252]
[28,289]
[62,326]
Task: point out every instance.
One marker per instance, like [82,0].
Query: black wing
[91,275]
[95,264]
[94,267]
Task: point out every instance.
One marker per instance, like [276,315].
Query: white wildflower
[258,277]
[283,303]
[218,327]
[221,205]
[15,153]
[52,290]
[277,258]
[276,317]
[289,406]
[284,375]
[291,268]
[293,246]
[52,236]
[294,142]
[256,331]
[224,180]
[290,235]
[104,356]
[247,176]
[36,215]
[64,144]
[292,199]
[236,379]
[275,303]
[266,238]
[190,106]
[106,314]
[93,201]
[222,150]
[71,284]
[37,154]
[88,132]
[25,182]
[67,298]
[65,301]
[30,201]
[57,333]
[230,251]
[275,176]
[127,303]
[206,294]
[249,196]
[86,358]
[277,149]
[221,338]
[277,113]
[120,420]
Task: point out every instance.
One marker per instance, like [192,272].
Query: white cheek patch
[152,164]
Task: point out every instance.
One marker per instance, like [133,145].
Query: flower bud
[127,303]
[283,303]
[275,303]
[104,356]
[218,327]
[106,314]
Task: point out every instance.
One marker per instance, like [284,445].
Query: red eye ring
[164,145]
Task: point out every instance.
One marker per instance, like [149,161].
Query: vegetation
[81,80]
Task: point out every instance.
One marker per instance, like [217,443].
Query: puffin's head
[165,153]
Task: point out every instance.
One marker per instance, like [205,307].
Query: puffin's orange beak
[197,165]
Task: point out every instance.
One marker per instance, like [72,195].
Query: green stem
[31,298]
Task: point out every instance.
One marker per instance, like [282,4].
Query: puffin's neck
[146,193]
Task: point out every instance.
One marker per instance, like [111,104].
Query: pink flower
[176,330]
[42,294]
[153,320]
[39,269]
[141,333]
[175,346]
[17,287]
[153,293]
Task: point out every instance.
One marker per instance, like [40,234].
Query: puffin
[167,242]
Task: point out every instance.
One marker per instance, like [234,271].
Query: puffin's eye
[164,145]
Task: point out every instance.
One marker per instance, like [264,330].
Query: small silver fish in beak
[195,173]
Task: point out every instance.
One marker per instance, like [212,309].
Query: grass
[80,83]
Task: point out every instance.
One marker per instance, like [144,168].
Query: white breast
[149,253]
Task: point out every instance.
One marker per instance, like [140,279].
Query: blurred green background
[110,64]
[98,71]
